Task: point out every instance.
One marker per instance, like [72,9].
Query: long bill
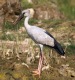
[20,17]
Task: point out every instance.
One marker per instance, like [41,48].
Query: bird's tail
[59,48]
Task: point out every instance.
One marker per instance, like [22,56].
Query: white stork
[41,37]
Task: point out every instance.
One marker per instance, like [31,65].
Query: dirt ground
[14,69]
[14,64]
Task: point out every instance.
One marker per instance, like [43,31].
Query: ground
[14,67]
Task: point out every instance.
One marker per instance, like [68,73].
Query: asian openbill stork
[41,37]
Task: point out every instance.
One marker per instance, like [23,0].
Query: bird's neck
[26,22]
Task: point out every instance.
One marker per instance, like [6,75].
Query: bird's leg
[38,71]
[40,62]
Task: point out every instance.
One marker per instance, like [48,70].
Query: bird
[41,37]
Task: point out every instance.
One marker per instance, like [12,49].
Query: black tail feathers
[59,48]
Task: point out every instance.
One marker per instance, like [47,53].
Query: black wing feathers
[59,48]
[49,34]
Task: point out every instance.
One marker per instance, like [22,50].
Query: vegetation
[25,4]
[67,8]
[71,49]
[11,68]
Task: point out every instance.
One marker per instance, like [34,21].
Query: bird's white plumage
[39,36]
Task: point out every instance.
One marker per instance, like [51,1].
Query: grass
[27,75]
[25,4]
[10,37]
[33,21]
[52,22]
[71,49]
[9,26]
[42,3]
[65,6]
[67,9]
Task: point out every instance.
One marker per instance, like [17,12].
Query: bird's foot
[36,72]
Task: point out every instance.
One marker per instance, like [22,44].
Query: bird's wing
[44,31]
[49,34]
[41,36]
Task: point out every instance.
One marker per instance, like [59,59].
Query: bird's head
[26,13]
